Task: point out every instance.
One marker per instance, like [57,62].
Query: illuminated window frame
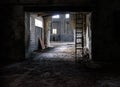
[67,16]
[54,31]
[56,16]
[38,23]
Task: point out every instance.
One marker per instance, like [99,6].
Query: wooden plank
[42,43]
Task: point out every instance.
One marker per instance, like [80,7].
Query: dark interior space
[29,57]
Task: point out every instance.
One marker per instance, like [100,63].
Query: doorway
[58,30]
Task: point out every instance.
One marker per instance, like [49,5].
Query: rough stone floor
[55,67]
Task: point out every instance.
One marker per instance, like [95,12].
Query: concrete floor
[57,51]
[55,67]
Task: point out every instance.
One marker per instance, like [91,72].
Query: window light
[67,15]
[38,23]
[56,16]
[54,31]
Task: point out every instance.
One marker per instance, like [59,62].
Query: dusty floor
[55,67]
[57,52]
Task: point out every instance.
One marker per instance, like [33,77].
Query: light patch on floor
[60,52]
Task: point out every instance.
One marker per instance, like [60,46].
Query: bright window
[56,16]
[67,15]
[38,23]
[54,31]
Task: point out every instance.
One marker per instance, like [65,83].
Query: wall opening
[50,29]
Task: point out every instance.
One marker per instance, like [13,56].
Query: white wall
[88,34]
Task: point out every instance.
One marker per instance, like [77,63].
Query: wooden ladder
[79,38]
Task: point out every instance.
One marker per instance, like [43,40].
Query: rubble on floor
[49,69]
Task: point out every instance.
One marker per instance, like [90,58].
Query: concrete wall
[105,44]
[33,33]
[27,33]
[38,35]
[88,34]
[12,33]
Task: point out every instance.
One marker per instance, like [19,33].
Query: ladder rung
[78,47]
[78,42]
[79,23]
[78,31]
[78,53]
[78,37]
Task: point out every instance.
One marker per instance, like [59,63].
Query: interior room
[68,32]
[60,43]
